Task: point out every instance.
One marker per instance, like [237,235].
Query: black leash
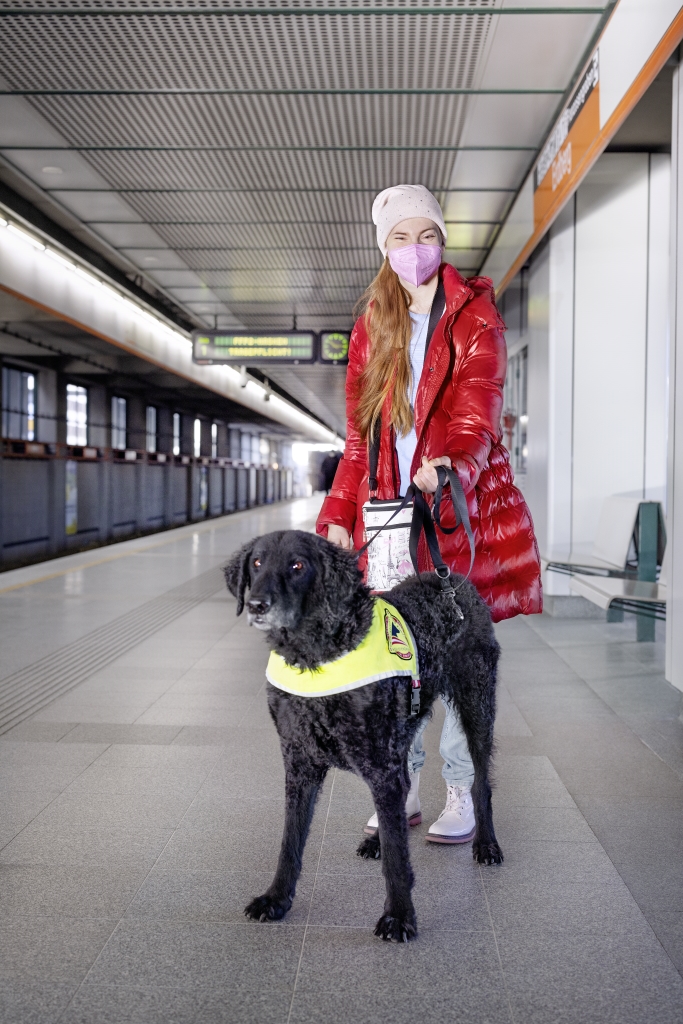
[422,520]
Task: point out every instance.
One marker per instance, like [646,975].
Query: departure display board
[334,347]
[254,349]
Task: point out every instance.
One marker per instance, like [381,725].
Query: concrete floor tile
[552,824]
[367,977]
[515,634]
[209,684]
[109,848]
[355,1006]
[136,782]
[111,732]
[214,957]
[589,978]
[156,755]
[67,890]
[560,907]
[117,810]
[605,662]
[101,712]
[230,716]
[221,850]
[26,803]
[117,1004]
[248,816]
[204,735]
[210,895]
[54,755]
[668,927]
[34,1001]
[530,862]
[39,732]
[49,948]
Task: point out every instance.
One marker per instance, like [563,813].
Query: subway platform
[142,799]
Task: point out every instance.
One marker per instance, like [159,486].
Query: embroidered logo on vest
[397,641]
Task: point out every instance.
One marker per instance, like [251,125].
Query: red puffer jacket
[457,413]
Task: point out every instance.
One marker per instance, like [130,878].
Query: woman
[442,407]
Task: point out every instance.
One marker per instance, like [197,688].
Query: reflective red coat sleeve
[475,397]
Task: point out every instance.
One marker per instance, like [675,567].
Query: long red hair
[385,306]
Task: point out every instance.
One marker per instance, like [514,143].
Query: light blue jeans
[458,769]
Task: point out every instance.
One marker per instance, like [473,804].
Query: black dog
[309,596]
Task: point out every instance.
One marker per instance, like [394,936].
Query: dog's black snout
[259,605]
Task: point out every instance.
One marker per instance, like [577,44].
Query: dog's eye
[298,566]
[257,563]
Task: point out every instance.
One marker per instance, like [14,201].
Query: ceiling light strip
[289,414]
[260,12]
[227,91]
[265,189]
[269,149]
[260,223]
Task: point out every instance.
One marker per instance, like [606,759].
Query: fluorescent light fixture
[302,421]
[85,276]
[25,237]
[58,258]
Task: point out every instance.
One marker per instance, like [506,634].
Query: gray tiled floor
[142,809]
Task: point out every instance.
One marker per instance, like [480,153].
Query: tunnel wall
[58,498]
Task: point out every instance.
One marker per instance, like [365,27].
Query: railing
[56,497]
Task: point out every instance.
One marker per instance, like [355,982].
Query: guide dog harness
[387,650]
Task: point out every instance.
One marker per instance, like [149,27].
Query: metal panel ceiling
[254,208]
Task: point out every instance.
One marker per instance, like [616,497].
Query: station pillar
[673,567]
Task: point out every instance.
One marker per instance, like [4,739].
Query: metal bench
[621,572]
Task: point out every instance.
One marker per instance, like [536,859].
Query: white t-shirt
[405,446]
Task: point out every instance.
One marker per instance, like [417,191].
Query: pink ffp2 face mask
[415,263]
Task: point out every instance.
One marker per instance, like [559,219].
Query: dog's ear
[236,573]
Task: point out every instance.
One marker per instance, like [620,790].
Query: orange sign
[576,130]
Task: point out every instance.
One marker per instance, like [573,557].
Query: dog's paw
[369,849]
[396,929]
[487,853]
[265,908]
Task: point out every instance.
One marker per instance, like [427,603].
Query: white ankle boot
[413,812]
[456,823]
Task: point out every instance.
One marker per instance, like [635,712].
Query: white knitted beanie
[400,202]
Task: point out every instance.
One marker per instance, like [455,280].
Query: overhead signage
[578,126]
[255,349]
[334,347]
[637,40]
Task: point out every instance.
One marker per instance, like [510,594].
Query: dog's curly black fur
[309,596]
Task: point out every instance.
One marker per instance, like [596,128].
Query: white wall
[560,390]
[609,336]
[674,522]
[536,484]
[656,392]
[597,339]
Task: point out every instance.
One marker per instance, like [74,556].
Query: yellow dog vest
[387,650]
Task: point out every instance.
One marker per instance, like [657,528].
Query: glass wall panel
[118,422]
[76,414]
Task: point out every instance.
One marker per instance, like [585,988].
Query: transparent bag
[389,559]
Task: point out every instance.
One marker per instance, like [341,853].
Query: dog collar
[387,650]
